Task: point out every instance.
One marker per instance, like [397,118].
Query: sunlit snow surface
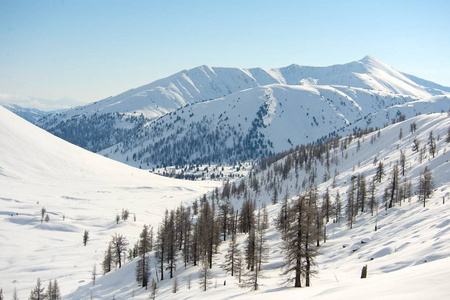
[39,170]
[410,249]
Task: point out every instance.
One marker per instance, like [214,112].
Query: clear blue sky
[89,50]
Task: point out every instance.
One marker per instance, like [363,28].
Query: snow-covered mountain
[80,191]
[255,112]
[206,83]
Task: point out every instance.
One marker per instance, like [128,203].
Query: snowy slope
[407,257]
[264,120]
[80,191]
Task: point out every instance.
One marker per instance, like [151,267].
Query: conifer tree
[350,209]
[403,162]
[338,205]
[119,245]
[393,185]
[94,274]
[260,242]
[15,296]
[108,259]
[171,244]
[250,248]
[37,293]
[372,199]
[154,289]
[175,285]
[379,172]
[142,266]
[231,256]
[85,237]
[432,144]
[53,292]
[327,207]
[298,240]
[416,145]
[204,274]
[426,185]
[161,244]
[187,241]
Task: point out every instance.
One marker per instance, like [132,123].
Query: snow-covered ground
[80,191]
[407,257]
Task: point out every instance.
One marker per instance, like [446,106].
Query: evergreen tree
[394,185]
[94,274]
[142,266]
[327,207]
[154,289]
[85,237]
[187,241]
[298,240]
[432,147]
[175,285]
[261,250]
[372,199]
[15,296]
[53,291]
[119,245]
[350,209]
[37,293]
[108,259]
[361,192]
[247,216]
[43,210]
[426,185]
[204,274]
[256,253]
[338,206]
[379,172]
[250,249]
[171,244]
[403,162]
[416,145]
[231,256]
[275,193]
[224,215]
[161,244]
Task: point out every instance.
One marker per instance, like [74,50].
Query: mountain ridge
[119,126]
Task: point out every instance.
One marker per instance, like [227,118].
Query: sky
[84,51]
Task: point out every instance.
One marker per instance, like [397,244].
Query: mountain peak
[369,58]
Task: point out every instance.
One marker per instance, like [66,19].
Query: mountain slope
[261,121]
[80,191]
[407,255]
[144,127]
